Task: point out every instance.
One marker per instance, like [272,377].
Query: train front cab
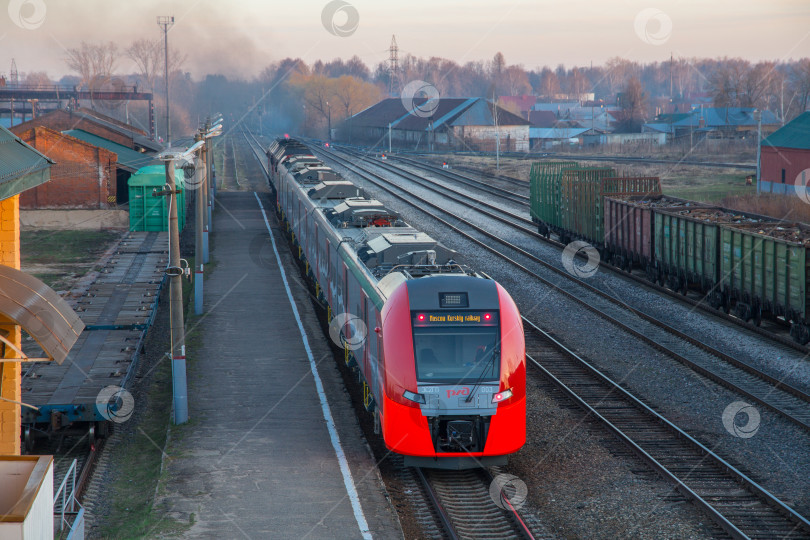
[455,373]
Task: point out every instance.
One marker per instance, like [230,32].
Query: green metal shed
[150,213]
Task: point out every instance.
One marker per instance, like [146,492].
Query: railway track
[788,401]
[587,157]
[735,502]
[777,331]
[465,507]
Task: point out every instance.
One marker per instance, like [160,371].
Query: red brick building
[785,153]
[83,177]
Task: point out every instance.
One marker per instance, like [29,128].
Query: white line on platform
[348,481]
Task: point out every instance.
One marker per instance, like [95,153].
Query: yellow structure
[10,372]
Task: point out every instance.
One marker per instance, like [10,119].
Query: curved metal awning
[41,312]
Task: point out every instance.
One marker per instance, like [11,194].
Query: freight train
[439,348]
[753,265]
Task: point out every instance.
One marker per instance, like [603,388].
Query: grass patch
[706,185]
[62,247]
[711,192]
[58,258]
[132,514]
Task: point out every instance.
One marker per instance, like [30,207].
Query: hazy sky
[240,38]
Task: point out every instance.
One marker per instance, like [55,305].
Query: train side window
[783,176]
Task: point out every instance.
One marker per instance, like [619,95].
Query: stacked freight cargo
[755,265]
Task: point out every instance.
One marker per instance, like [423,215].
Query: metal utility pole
[497,134]
[175,273]
[389,137]
[758,113]
[329,117]
[208,197]
[166,22]
[199,225]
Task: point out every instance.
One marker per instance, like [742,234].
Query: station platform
[273,448]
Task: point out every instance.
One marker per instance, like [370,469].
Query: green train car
[686,248]
[569,200]
[763,269]
[544,192]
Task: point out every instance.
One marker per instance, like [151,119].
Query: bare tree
[94,62]
[800,83]
[517,82]
[37,79]
[148,57]
[353,95]
[633,103]
[498,64]
[577,83]
[549,83]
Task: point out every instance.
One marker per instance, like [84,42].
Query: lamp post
[201,255]
[175,273]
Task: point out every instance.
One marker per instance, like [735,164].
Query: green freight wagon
[763,267]
[686,248]
[150,213]
[544,191]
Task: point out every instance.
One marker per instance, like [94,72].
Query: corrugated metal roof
[443,111]
[794,134]
[17,159]
[658,127]
[555,133]
[127,157]
[715,117]
[462,109]
[120,127]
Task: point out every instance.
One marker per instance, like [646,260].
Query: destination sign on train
[455,318]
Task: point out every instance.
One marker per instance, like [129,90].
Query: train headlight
[500,396]
[416,398]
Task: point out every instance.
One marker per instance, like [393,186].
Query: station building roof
[21,166]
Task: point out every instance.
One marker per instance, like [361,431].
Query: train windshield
[456,355]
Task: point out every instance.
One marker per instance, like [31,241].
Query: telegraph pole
[166,22]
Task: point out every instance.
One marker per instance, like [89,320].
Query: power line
[393,68]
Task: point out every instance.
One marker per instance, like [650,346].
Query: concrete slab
[256,460]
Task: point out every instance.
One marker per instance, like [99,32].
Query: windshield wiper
[495,352]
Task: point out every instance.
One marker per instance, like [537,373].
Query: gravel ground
[776,455]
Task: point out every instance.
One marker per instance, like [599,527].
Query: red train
[439,347]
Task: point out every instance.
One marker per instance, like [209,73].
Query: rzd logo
[460,392]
